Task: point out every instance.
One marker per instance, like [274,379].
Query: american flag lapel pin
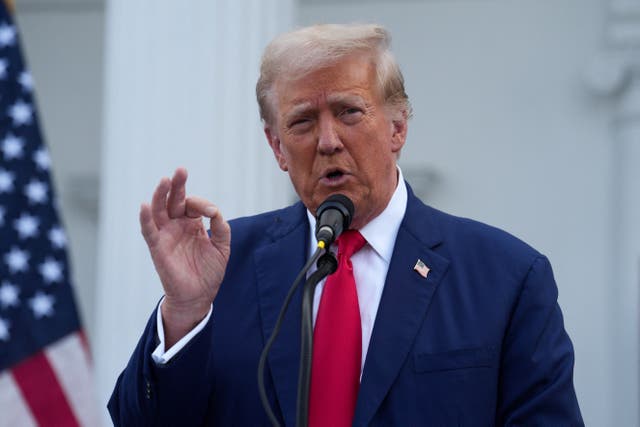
[421,268]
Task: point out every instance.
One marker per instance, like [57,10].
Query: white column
[179,91]
[626,349]
[616,75]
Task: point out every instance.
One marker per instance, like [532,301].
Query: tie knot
[350,242]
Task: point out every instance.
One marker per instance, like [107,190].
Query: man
[457,322]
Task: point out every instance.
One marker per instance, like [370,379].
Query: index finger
[197,207]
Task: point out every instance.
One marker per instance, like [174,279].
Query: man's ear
[399,132]
[274,143]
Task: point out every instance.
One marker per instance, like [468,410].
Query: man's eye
[351,115]
[300,125]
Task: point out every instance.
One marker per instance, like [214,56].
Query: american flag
[421,268]
[45,376]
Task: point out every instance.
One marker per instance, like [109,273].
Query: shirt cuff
[159,355]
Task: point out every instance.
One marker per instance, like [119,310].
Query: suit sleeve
[536,380]
[175,393]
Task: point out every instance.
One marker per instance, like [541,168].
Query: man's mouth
[334,175]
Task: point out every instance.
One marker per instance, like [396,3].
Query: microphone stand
[334,216]
[327,264]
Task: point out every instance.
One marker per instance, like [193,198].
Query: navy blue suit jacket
[479,342]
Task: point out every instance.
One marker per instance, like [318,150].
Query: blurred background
[526,116]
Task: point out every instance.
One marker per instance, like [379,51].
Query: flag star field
[36,304]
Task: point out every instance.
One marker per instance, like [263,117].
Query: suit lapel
[277,265]
[405,300]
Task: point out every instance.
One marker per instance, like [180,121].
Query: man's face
[333,134]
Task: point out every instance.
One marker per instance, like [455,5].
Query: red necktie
[337,343]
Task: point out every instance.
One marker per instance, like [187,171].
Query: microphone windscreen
[340,202]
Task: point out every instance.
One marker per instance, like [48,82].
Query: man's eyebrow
[345,98]
[298,109]
[305,107]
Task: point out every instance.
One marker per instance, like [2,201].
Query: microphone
[332,218]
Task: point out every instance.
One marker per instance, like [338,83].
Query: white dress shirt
[370,266]
[371,263]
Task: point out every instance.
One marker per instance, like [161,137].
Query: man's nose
[328,140]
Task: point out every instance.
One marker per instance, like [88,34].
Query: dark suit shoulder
[466,240]
[487,236]
[268,226]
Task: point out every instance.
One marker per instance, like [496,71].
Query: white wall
[513,138]
[178,92]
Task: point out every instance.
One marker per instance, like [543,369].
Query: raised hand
[190,264]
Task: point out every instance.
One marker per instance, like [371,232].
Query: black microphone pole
[327,264]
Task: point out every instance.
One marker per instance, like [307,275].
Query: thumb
[219,230]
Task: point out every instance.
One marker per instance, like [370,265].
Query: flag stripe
[10,398]
[42,392]
[85,345]
[70,364]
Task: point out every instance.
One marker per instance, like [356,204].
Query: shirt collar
[380,232]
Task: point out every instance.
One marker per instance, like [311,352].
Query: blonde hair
[311,48]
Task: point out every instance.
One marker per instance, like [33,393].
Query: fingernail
[210,211]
